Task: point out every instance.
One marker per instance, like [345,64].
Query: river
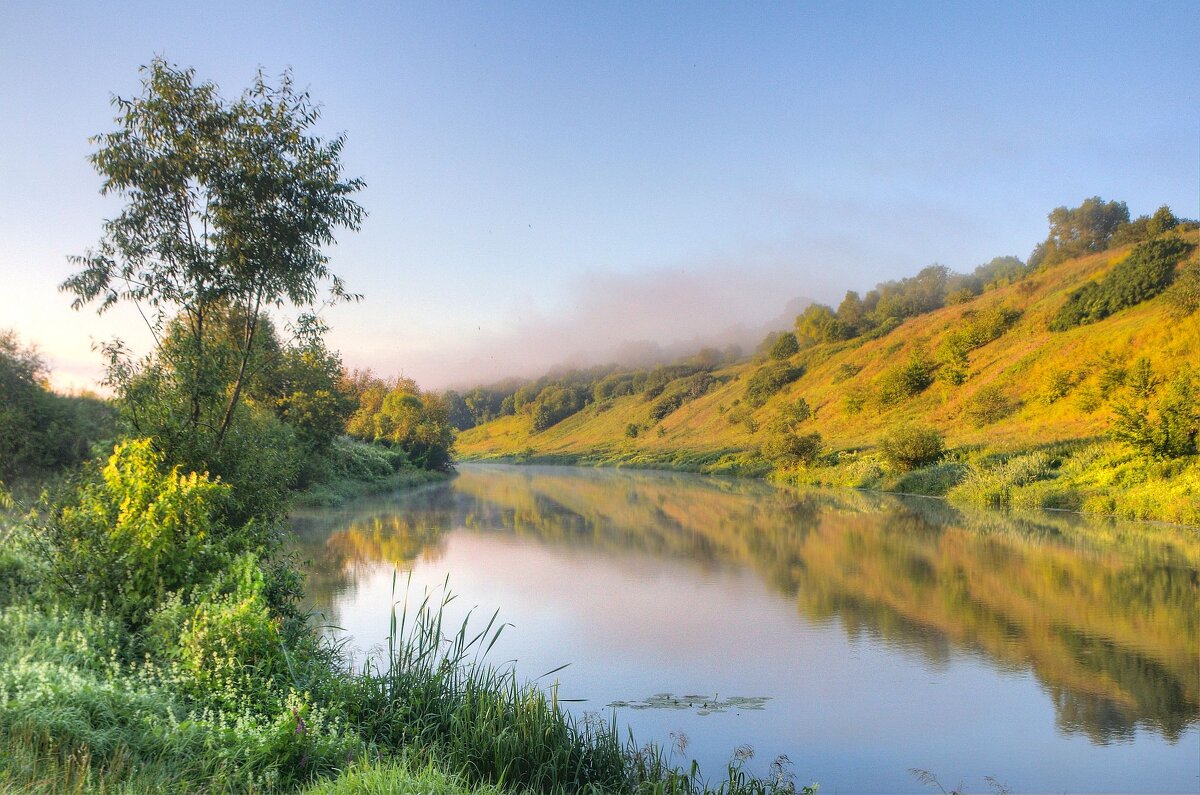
[859,635]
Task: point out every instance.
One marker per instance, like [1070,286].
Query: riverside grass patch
[211,688]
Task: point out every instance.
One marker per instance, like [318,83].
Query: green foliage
[39,430]
[1079,230]
[553,405]
[816,324]
[785,346]
[1145,273]
[681,391]
[398,414]
[785,446]
[994,486]
[1057,384]
[225,642]
[769,379]
[904,381]
[1164,427]
[988,405]
[908,446]
[1184,295]
[846,371]
[227,207]
[141,531]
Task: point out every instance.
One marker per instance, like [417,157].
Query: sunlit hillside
[1028,364]
[990,376]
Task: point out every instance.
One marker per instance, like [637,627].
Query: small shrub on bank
[907,447]
[993,486]
[988,405]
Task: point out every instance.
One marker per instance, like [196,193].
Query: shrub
[1164,428]
[988,405]
[785,346]
[904,381]
[908,447]
[681,392]
[845,370]
[140,532]
[855,399]
[1184,295]
[994,486]
[785,446]
[768,380]
[1057,384]
[1145,273]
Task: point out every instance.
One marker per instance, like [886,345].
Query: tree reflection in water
[1103,613]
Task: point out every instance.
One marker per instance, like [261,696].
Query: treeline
[41,431]
[556,396]
[1093,226]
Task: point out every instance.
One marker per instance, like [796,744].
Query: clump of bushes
[988,405]
[1147,271]
[1057,384]
[909,446]
[769,379]
[682,391]
[1160,426]
[975,330]
[905,380]
[785,346]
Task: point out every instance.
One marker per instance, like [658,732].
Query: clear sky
[554,179]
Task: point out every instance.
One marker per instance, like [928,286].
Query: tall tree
[228,206]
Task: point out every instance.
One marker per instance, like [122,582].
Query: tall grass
[435,689]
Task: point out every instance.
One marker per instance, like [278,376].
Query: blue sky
[551,180]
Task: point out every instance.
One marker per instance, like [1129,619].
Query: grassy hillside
[1028,388]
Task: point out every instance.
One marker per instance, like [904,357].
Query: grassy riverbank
[127,665]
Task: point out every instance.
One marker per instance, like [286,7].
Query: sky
[551,182]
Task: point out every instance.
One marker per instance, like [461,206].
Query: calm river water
[859,635]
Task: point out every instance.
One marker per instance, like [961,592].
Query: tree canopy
[228,205]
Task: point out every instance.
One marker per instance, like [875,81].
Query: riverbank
[1093,477]
[132,665]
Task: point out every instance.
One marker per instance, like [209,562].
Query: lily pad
[701,704]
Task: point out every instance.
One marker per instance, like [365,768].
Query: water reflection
[1103,614]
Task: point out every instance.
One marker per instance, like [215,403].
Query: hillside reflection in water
[832,600]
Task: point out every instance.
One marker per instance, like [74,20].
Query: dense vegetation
[1087,354]
[41,431]
[150,634]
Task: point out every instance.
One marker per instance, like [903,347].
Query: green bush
[1184,294]
[769,379]
[1166,427]
[680,392]
[139,532]
[994,486]
[988,405]
[784,446]
[1057,384]
[908,447]
[785,346]
[1147,271]
[904,381]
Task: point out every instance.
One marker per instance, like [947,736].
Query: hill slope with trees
[1087,359]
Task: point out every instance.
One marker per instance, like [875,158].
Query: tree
[1080,230]
[785,346]
[228,206]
